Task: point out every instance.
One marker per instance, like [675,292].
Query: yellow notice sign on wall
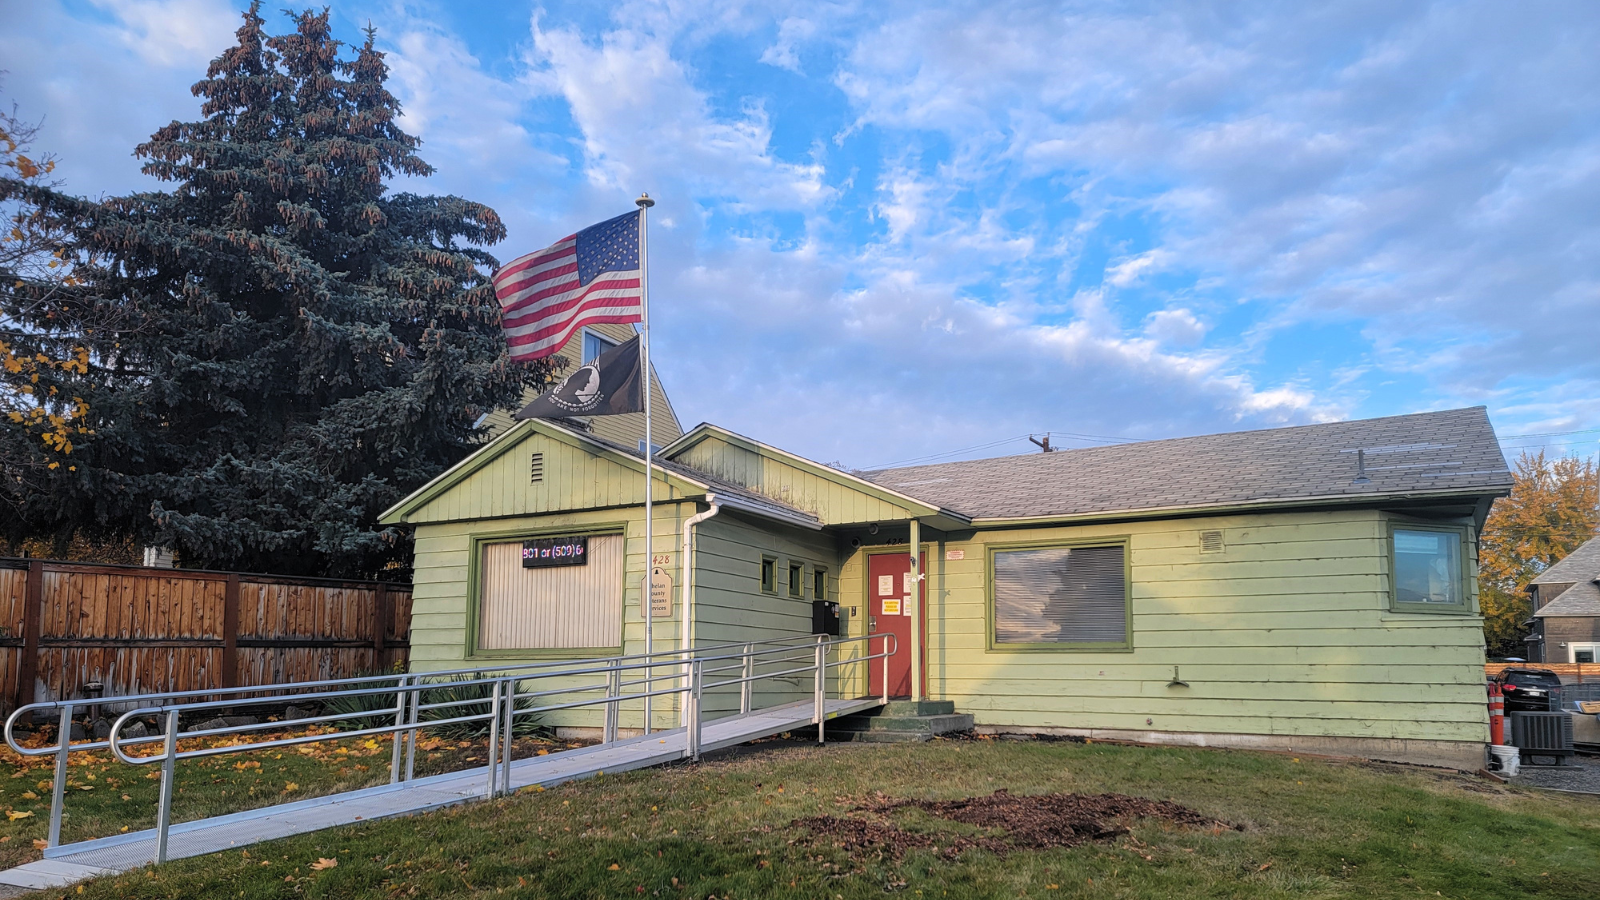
[891,606]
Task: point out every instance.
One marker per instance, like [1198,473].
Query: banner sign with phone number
[560,551]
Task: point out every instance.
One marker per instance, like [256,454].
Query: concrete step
[918,708]
[878,737]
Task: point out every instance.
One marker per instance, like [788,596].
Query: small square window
[594,345]
[796,578]
[1427,569]
[769,575]
[819,584]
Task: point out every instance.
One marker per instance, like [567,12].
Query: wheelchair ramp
[70,863]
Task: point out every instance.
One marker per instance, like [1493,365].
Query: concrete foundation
[1468,756]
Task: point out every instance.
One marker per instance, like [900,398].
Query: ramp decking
[71,863]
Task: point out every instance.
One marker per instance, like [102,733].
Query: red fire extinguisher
[1497,715]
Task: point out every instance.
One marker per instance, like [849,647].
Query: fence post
[822,674]
[494,739]
[230,631]
[400,699]
[58,790]
[613,687]
[747,673]
[32,608]
[380,624]
[169,774]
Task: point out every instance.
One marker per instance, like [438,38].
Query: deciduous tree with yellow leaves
[1551,511]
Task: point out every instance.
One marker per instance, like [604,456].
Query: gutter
[685,590]
[1246,506]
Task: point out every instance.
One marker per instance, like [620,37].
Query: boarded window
[796,578]
[769,575]
[557,608]
[1061,595]
[819,584]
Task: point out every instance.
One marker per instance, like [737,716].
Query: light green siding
[575,477]
[732,607]
[443,606]
[1287,631]
[789,482]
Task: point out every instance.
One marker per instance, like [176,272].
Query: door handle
[872,623]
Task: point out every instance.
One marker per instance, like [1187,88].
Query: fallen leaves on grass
[323,863]
[15,814]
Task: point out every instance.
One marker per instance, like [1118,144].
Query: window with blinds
[1061,597]
[556,608]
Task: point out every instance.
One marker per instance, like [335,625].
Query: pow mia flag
[606,386]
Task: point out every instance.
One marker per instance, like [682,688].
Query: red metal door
[889,605]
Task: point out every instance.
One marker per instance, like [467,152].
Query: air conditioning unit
[1543,734]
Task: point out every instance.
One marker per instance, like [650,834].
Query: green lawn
[1310,828]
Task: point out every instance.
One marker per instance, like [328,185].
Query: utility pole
[1042,444]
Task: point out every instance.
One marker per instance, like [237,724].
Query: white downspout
[686,591]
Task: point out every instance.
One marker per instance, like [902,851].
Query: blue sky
[889,231]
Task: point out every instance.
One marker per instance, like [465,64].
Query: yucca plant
[381,705]
[474,696]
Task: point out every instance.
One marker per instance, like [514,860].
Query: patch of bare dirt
[1014,822]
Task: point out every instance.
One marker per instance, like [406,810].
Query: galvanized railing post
[613,688]
[822,673]
[414,693]
[507,732]
[169,775]
[696,682]
[885,667]
[748,674]
[400,698]
[494,737]
[58,790]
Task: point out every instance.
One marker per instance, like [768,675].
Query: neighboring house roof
[1448,453]
[1581,564]
[1582,599]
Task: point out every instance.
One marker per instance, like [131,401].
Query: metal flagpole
[644,203]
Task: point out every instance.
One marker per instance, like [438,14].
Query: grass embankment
[1303,828]
[105,796]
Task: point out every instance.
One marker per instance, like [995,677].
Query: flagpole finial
[644,201]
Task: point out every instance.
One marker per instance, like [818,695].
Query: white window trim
[1572,650]
[584,340]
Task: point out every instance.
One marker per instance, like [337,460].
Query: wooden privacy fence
[133,629]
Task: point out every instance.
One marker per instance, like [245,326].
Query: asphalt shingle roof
[1582,564]
[1582,599]
[1451,451]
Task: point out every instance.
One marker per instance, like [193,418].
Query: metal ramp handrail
[698,668]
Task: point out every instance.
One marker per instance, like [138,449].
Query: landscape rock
[238,721]
[212,724]
[102,729]
[76,732]
[135,729]
[295,712]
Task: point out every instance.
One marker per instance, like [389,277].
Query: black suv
[1527,690]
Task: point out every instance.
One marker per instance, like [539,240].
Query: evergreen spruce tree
[300,347]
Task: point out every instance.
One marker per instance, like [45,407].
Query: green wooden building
[1309,589]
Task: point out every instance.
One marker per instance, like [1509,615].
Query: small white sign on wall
[886,586]
[955,554]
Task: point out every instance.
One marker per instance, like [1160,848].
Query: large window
[1428,571]
[565,607]
[1060,597]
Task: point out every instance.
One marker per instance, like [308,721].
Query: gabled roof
[1452,453]
[728,493]
[913,505]
[1582,564]
[688,481]
[1582,599]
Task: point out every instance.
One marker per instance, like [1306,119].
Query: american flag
[582,279]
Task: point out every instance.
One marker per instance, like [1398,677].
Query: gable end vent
[1211,542]
[536,468]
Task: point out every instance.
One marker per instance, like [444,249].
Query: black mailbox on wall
[825,617]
